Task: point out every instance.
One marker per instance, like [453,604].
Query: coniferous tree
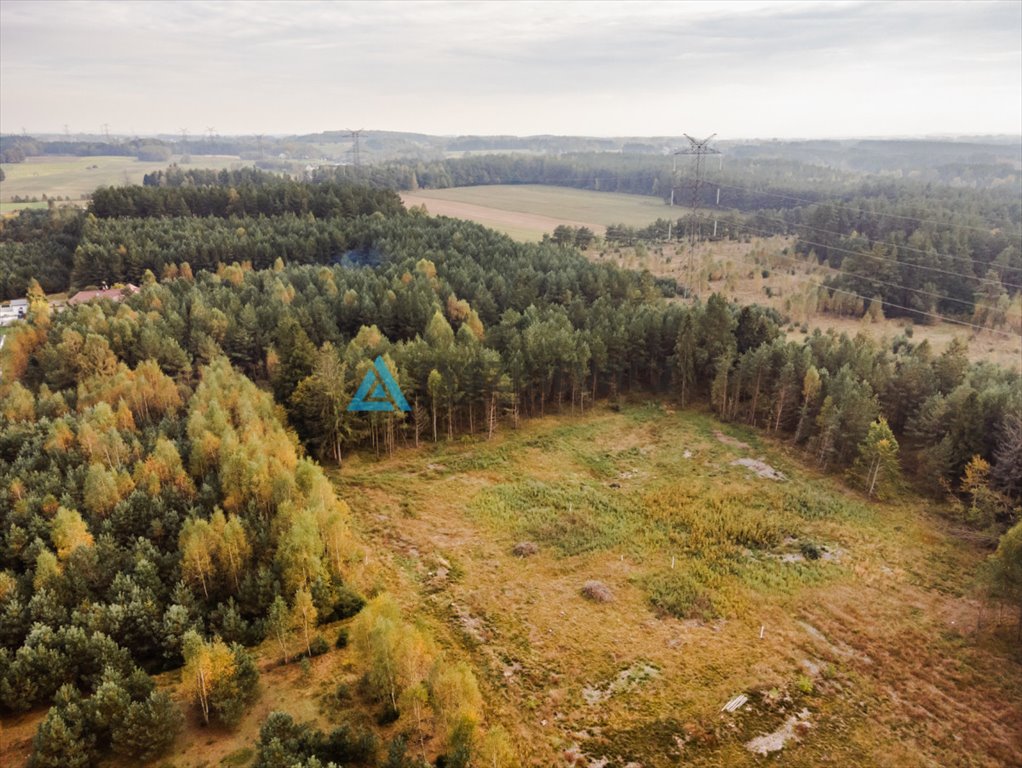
[685,356]
[62,741]
[148,727]
[1006,472]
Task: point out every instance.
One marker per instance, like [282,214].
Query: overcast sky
[757,69]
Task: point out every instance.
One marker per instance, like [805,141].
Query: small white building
[16,309]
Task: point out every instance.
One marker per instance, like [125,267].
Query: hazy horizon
[765,70]
[55,135]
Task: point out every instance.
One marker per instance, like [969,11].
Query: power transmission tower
[674,185]
[698,148]
[106,131]
[356,150]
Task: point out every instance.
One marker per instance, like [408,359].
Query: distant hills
[867,155]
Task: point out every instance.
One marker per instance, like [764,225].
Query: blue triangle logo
[378,391]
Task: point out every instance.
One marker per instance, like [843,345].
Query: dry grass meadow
[528,211]
[867,654]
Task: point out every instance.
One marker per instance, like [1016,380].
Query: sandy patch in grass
[760,468]
[774,742]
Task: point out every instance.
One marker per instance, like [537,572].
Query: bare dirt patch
[761,468]
[774,742]
[16,734]
[638,673]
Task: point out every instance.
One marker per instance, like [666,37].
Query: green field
[528,211]
[9,207]
[75,177]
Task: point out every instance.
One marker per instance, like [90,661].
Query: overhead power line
[925,313]
[892,260]
[900,246]
[919,219]
[616,176]
[876,280]
[864,254]
[698,149]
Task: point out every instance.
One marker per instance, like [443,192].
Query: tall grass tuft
[572,518]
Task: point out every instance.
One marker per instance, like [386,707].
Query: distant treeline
[14,149]
[977,162]
[130,229]
[253,196]
[921,252]
[920,249]
[176,176]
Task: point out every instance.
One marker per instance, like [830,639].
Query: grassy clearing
[77,177]
[573,518]
[864,611]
